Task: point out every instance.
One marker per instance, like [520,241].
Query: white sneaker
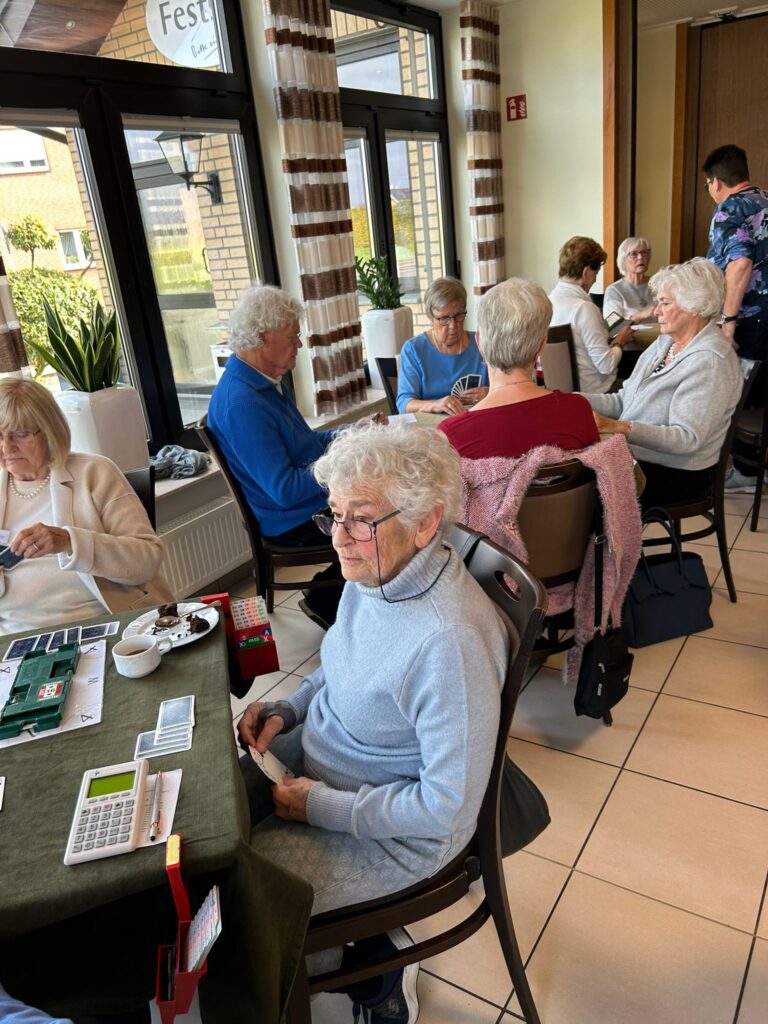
[738,483]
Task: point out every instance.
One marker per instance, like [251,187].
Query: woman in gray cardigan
[676,406]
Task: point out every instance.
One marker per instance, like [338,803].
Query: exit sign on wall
[517,107]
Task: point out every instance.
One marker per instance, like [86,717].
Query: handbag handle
[661,516]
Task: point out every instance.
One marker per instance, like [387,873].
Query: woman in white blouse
[86,542]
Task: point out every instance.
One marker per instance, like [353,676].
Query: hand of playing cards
[173,734]
[272,766]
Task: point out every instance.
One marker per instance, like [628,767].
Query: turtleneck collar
[420,573]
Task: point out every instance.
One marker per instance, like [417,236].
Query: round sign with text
[185,31]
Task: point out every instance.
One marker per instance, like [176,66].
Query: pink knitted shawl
[493,490]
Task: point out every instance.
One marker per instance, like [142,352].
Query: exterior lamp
[182,152]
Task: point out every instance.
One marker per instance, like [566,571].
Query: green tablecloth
[78,940]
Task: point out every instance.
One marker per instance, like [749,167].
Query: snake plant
[89,361]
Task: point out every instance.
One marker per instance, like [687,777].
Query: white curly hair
[261,309]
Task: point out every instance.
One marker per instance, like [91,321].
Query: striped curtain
[12,354]
[303,63]
[482,115]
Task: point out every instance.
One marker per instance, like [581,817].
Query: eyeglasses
[707,183]
[358,529]
[637,254]
[18,436]
[457,318]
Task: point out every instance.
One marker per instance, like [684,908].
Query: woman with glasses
[441,370]
[85,542]
[631,297]
[391,738]
[597,355]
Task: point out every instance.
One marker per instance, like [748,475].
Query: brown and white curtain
[13,357]
[302,58]
[482,115]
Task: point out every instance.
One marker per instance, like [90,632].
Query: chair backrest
[252,526]
[750,369]
[143,483]
[555,521]
[387,367]
[558,360]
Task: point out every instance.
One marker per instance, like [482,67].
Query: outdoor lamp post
[182,151]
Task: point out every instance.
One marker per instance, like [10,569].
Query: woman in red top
[517,415]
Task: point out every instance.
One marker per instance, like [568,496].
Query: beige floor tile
[288,573]
[609,956]
[762,927]
[292,600]
[574,788]
[697,852]
[545,715]
[757,541]
[712,749]
[750,571]
[744,623]
[478,964]
[274,686]
[710,557]
[716,672]
[755,1000]
[733,524]
[738,504]
[296,636]
[652,664]
[439,1003]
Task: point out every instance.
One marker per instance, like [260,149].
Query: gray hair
[415,468]
[697,286]
[512,322]
[261,309]
[444,292]
[626,248]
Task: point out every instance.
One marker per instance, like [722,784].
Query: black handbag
[523,811]
[605,663]
[669,595]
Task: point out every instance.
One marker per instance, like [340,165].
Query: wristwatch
[728,319]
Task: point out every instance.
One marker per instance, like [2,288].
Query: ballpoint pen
[154,814]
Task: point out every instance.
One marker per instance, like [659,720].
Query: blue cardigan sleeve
[410,380]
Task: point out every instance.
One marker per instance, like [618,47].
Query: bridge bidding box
[249,634]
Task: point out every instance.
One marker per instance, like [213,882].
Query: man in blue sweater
[262,435]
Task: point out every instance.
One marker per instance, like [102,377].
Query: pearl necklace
[26,495]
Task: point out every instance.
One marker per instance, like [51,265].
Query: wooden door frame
[619,126]
[686,129]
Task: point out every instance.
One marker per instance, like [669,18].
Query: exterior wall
[655,139]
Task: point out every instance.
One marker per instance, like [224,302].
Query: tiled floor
[644,902]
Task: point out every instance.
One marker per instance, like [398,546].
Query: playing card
[469,380]
[57,639]
[147,747]
[8,560]
[272,766]
[42,641]
[73,635]
[20,647]
[93,632]
[178,711]
[112,628]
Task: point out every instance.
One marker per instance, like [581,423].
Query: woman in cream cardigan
[87,545]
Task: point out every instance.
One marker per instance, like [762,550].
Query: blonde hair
[26,405]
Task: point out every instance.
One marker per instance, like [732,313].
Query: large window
[396,142]
[143,189]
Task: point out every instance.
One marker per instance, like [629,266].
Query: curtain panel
[302,59]
[479,25]
[13,356]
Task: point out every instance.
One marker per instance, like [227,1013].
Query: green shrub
[73,298]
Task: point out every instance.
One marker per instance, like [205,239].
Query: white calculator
[107,818]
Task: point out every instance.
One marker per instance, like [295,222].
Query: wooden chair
[267,556]
[558,360]
[752,430]
[481,859]
[712,507]
[387,367]
[143,483]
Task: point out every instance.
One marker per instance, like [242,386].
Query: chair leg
[298,1010]
[496,894]
[722,544]
[758,489]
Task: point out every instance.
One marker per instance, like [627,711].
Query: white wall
[655,139]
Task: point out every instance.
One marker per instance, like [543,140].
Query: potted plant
[105,417]
[387,324]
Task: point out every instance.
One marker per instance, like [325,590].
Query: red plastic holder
[174,987]
[249,636]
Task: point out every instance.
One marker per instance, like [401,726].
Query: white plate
[178,635]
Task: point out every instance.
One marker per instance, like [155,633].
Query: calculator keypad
[103,824]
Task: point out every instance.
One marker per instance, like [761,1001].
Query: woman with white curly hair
[676,406]
[391,738]
[263,436]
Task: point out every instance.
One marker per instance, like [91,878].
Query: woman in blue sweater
[433,362]
[392,737]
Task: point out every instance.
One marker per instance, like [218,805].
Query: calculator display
[111,784]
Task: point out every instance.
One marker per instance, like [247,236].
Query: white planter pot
[108,422]
[385,331]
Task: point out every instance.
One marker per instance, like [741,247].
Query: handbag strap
[661,516]
[599,545]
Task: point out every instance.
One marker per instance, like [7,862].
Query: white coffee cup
[139,655]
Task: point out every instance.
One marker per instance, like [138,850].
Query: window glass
[21,152]
[197,229]
[414,182]
[377,56]
[185,33]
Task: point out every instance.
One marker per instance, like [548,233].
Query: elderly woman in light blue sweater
[392,737]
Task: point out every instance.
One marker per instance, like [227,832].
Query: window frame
[100,90]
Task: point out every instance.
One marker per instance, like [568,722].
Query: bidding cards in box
[254,643]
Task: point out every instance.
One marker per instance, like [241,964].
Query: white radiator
[203,545]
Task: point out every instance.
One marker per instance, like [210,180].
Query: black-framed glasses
[457,318]
[358,529]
